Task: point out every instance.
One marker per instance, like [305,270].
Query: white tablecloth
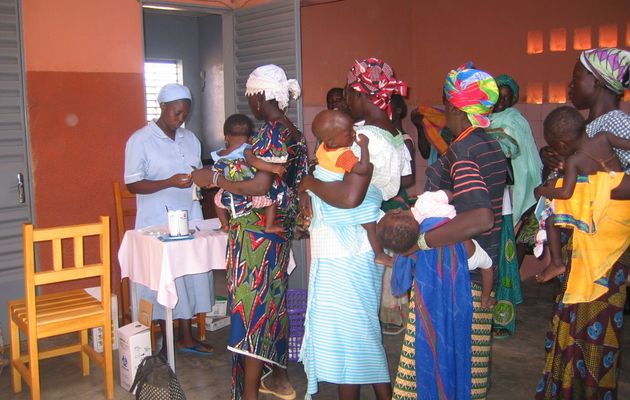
[146,260]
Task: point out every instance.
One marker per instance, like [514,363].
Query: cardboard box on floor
[134,344]
[96,334]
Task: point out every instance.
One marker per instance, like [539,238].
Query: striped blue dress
[342,342]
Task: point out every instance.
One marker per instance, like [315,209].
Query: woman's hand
[305,184]
[181,181]
[203,177]
[551,159]
[488,301]
[279,169]
[306,208]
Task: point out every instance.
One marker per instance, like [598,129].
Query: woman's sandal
[288,396]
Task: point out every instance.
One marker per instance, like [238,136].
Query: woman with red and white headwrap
[342,341]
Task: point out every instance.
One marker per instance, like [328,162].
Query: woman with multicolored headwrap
[473,168]
[583,343]
[342,341]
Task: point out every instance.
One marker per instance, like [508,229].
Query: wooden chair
[43,316]
[125,205]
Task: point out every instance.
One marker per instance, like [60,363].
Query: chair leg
[85,359]
[124,300]
[15,354]
[201,326]
[108,366]
[33,367]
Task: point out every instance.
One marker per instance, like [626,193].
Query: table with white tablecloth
[156,264]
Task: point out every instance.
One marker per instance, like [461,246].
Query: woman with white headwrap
[257,260]
[158,160]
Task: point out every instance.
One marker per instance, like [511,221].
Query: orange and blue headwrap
[375,78]
[473,91]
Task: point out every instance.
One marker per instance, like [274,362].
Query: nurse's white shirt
[152,155]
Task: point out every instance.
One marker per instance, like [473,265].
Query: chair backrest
[125,204]
[65,268]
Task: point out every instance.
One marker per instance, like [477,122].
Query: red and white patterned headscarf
[375,78]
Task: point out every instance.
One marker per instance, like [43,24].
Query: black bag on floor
[155,380]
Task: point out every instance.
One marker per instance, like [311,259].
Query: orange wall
[423,40]
[85,95]
[79,35]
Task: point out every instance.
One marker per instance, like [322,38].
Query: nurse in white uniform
[158,162]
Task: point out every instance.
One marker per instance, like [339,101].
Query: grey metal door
[270,34]
[15,206]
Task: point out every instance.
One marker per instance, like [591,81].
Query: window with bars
[158,73]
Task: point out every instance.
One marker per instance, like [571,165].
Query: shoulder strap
[597,160]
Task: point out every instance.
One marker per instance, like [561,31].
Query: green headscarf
[506,80]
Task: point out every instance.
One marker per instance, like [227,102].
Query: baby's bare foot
[550,272]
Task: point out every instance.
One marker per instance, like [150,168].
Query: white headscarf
[272,80]
[173,91]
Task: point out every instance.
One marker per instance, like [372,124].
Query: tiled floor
[516,364]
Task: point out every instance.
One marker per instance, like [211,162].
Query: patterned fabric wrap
[272,81]
[507,80]
[271,134]
[601,233]
[405,387]
[270,148]
[235,170]
[433,121]
[584,342]
[256,273]
[375,78]
[508,289]
[609,65]
[481,346]
[473,91]
[443,309]
[526,234]
[257,282]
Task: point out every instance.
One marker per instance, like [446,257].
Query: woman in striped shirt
[474,170]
